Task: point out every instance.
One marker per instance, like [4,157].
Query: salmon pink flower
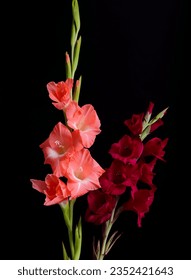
[100,206]
[85,123]
[128,149]
[58,149]
[60,93]
[55,190]
[140,203]
[83,173]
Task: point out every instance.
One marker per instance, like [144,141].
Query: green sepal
[65,255]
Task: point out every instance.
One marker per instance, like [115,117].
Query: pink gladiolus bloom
[140,203]
[60,93]
[155,147]
[135,124]
[85,122]
[100,206]
[128,149]
[58,149]
[83,173]
[55,190]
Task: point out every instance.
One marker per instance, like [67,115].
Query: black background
[132,53]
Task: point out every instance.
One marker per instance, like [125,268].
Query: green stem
[67,211]
[108,226]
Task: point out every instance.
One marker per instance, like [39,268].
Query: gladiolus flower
[128,149]
[58,149]
[113,179]
[83,173]
[100,206]
[85,122]
[154,147]
[140,203]
[60,93]
[146,171]
[135,124]
[118,177]
[55,190]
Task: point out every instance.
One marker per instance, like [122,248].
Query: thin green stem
[108,226]
[67,211]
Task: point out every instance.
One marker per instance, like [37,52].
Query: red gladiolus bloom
[85,123]
[100,206]
[83,173]
[58,149]
[60,93]
[118,177]
[113,180]
[128,149]
[55,190]
[154,147]
[135,123]
[140,203]
[147,174]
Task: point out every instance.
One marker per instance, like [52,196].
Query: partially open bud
[77,90]
[68,66]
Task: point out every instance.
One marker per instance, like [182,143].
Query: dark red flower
[146,171]
[114,178]
[155,147]
[100,206]
[127,150]
[140,203]
[135,123]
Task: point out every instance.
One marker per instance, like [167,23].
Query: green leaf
[112,241]
[65,255]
